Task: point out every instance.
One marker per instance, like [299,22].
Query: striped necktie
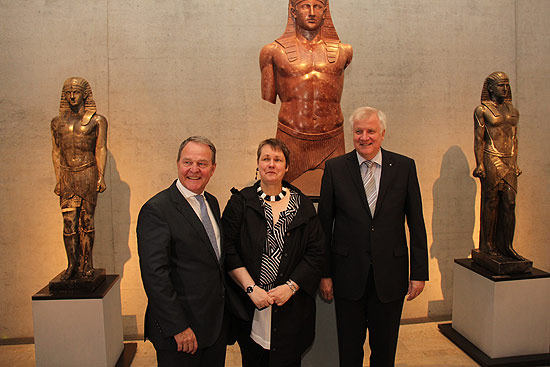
[370,185]
[207,223]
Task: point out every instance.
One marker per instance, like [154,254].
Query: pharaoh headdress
[328,35]
[89,103]
[494,78]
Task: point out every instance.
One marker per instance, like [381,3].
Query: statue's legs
[489,206]
[87,234]
[506,221]
[70,238]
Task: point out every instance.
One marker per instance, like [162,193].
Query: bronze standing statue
[496,149]
[305,68]
[79,154]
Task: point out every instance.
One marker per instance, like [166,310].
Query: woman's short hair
[275,144]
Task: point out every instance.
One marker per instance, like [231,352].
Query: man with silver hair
[366,195]
[305,68]
[79,154]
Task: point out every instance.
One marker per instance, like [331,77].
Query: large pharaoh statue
[496,149]
[79,154]
[305,68]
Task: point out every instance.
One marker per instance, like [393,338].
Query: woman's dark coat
[244,228]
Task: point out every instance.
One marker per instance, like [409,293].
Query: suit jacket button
[372,229]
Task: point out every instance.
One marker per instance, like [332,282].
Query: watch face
[249,289]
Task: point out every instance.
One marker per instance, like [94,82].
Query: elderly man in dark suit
[366,195]
[181,260]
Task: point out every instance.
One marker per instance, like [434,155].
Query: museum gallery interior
[101,95]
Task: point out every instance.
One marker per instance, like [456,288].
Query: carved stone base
[78,285]
[501,264]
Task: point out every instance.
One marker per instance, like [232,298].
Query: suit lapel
[355,175]
[189,214]
[387,176]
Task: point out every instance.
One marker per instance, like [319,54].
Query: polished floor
[419,345]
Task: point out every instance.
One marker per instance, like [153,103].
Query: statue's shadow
[113,223]
[453,220]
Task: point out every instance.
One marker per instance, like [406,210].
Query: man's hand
[415,288]
[326,289]
[260,298]
[186,341]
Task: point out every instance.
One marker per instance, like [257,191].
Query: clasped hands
[278,295]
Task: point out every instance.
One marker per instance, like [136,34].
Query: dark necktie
[207,223]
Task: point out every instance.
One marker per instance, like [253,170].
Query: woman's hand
[260,298]
[280,294]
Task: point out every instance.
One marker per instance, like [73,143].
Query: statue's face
[309,14]
[500,89]
[74,95]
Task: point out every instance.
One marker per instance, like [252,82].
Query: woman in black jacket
[274,252]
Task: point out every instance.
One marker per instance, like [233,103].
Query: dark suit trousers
[212,356]
[354,318]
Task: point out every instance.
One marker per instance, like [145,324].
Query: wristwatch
[250,289]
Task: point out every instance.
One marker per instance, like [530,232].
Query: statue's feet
[88,273]
[513,254]
[67,274]
[491,250]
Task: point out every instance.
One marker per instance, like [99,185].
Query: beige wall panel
[531,96]
[166,69]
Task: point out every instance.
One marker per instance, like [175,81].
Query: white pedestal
[502,318]
[79,331]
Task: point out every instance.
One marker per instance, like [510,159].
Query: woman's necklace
[277,197]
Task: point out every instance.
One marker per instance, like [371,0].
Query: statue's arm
[348,51]
[479,140]
[268,74]
[518,170]
[101,151]
[56,154]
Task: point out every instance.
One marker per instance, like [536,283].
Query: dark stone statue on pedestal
[79,154]
[305,68]
[496,149]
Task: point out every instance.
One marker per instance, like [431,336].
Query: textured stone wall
[163,70]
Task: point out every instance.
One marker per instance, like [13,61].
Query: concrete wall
[166,69]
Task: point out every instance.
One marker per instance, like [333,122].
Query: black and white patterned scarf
[275,239]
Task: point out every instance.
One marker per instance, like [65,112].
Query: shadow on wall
[453,220]
[121,218]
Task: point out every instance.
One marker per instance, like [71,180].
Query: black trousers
[354,318]
[212,356]
[254,355]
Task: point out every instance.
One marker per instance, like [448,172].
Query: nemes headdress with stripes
[328,34]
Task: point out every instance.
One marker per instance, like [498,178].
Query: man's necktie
[207,223]
[370,186]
